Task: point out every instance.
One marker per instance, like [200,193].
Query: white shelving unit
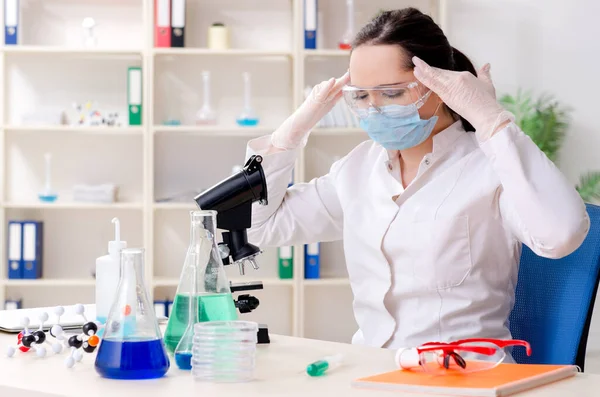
[49,70]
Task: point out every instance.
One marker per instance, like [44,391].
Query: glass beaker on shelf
[132,346]
[202,276]
[206,114]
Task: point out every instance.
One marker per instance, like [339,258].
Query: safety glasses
[363,101]
[462,356]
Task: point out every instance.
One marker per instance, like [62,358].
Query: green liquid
[211,307]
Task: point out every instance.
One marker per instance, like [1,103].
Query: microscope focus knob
[224,250]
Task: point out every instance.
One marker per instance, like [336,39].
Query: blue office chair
[555,299]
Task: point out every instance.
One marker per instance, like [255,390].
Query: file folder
[162,23]
[160,308]
[178,23]
[286,262]
[33,238]
[15,248]
[310,24]
[312,260]
[11,304]
[134,95]
[11,22]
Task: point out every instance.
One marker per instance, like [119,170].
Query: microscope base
[263,334]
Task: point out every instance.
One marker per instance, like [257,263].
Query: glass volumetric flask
[184,349]
[203,279]
[132,346]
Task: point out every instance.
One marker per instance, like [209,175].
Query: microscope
[232,198]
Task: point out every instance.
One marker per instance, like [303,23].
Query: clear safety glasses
[363,101]
[463,356]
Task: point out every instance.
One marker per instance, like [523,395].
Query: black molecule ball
[75,342]
[89,349]
[90,328]
[28,340]
[40,336]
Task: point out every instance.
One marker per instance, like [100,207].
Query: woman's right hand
[295,129]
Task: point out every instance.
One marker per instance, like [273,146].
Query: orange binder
[504,380]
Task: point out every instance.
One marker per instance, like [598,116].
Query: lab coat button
[427,161]
[390,166]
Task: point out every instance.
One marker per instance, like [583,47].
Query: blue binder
[11,304]
[312,260]
[33,241]
[11,22]
[310,24]
[160,308]
[15,249]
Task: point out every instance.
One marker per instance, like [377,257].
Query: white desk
[279,371]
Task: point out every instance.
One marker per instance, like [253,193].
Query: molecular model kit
[86,340]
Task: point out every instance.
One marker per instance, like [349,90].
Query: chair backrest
[555,300]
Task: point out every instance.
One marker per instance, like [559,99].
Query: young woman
[433,209]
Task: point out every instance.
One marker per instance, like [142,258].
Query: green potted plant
[546,122]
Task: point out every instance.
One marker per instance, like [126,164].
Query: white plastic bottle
[108,269]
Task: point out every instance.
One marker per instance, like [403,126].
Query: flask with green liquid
[203,279]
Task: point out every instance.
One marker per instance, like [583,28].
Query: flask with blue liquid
[132,346]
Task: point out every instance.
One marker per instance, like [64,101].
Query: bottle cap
[116,245]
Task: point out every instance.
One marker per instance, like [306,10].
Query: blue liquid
[183,360]
[101,320]
[145,359]
[48,198]
[247,122]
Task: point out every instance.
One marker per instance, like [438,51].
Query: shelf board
[326,281]
[74,205]
[43,50]
[213,130]
[338,131]
[175,206]
[50,282]
[230,52]
[326,53]
[267,282]
[100,130]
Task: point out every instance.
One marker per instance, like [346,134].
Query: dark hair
[416,34]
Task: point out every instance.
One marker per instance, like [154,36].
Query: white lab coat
[437,261]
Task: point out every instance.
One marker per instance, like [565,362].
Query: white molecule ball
[69,362]
[79,308]
[10,351]
[57,331]
[57,348]
[59,310]
[41,351]
[77,355]
[43,317]
[25,321]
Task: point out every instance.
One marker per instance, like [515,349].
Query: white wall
[548,46]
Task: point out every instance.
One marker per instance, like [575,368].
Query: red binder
[162,23]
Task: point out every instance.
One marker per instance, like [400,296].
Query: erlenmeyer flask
[132,346]
[202,272]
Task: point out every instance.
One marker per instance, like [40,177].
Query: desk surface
[279,371]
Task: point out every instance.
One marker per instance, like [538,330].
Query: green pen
[318,368]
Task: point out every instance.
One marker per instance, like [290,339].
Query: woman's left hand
[473,97]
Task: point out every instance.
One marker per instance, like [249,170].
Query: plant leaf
[589,186]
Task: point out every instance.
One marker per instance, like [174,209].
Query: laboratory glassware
[346,42]
[248,117]
[183,351]
[204,273]
[206,114]
[132,346]
[224,351]
[89,38]
[462,356]
[48,195]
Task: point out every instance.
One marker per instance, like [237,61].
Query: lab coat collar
[441,141]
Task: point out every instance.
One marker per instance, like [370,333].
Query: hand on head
[473,97]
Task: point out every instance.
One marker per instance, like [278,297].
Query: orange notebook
[504,380]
